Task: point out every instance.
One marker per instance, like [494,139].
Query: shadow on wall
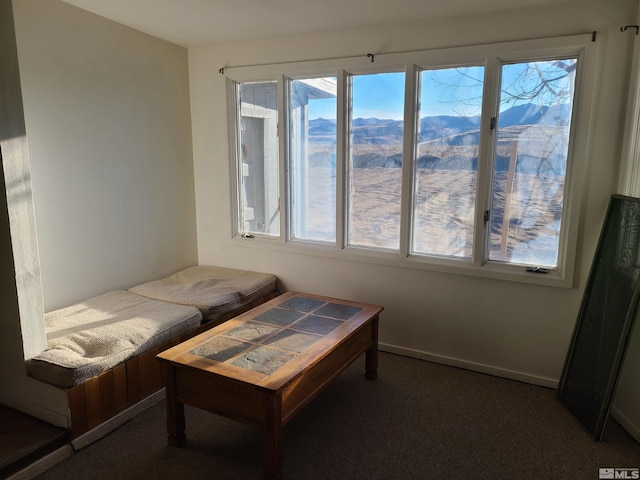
[11,112]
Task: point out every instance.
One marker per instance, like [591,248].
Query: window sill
[494,271]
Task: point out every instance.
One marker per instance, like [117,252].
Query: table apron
[236,400]
[304,388]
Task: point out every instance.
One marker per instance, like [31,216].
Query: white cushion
[214,291]
[90,337]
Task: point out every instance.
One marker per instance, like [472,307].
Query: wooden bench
[129,328]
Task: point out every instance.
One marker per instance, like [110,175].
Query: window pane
[531,161]
[375,160]
[258,160]
[312,113]
[447,160]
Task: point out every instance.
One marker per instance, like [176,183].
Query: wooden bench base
[104,396]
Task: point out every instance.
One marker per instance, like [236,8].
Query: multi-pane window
[463,161]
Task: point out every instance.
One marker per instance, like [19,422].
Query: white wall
[107,118]
[109,134]
[511,329]
[21,270]
[21,325]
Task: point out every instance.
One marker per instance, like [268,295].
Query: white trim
[233,121]
[626,423]
[110,425]
[579,155]
[42,465]
[410,133]
[553,46]
[49,414]
[341,155]
[467,365]
[380,257]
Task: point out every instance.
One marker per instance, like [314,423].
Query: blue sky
[455,91]
[378,96]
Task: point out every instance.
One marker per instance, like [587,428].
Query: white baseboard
[476,367]
[625,423]
[47,412]
[48,461]
[44,464]
[110,425]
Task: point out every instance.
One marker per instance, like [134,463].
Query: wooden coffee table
[262,367]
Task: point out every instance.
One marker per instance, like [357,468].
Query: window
[467,160]
[258,182]
[375,160]
[532,146]
[447,147]
[312,152]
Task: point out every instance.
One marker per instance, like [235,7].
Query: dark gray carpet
[419,420]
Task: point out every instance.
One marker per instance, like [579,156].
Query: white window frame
[491,56]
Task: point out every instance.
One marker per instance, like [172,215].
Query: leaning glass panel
[312,126]
[259,191]
[446,161]
[536,104]
[375,160]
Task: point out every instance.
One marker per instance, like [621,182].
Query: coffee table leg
[371,358]
[273,439]
[175,411]
[175,424]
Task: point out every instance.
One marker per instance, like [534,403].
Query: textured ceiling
[207,22]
